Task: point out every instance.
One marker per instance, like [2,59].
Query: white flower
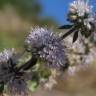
[81,14]
[80,7]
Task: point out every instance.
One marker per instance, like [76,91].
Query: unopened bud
[73,17]
[72,10]
[73,6]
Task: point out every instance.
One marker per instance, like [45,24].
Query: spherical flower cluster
[80,10]
[50,48]
[80,7]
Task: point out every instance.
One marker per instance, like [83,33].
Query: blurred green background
[16,18]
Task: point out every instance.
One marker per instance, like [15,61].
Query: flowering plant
[47,47]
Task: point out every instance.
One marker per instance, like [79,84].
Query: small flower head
[5,66]
[80,7]
[17,87]
[82,19]
[6,55]
[81,12]
[54,55]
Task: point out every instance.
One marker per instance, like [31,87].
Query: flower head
[5,65]
[81,12]
[52,52]
[80,7]
[17,87]
[81,18]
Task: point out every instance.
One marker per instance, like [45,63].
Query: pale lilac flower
[53,50]
[6,55]
[9,76]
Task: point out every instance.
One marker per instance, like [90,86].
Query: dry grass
[81,84]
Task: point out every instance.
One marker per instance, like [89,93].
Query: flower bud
[73,17]
[72,10]
[73,6]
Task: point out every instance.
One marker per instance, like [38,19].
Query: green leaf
[65,27]
[75,36]
[67,33]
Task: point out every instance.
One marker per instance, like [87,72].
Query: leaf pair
[73,29]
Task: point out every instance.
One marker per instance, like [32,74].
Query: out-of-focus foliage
[28,9]
[16,18]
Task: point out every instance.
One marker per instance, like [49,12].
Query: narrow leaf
[67,33]
[65,27]
[28,64]
[75,36]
